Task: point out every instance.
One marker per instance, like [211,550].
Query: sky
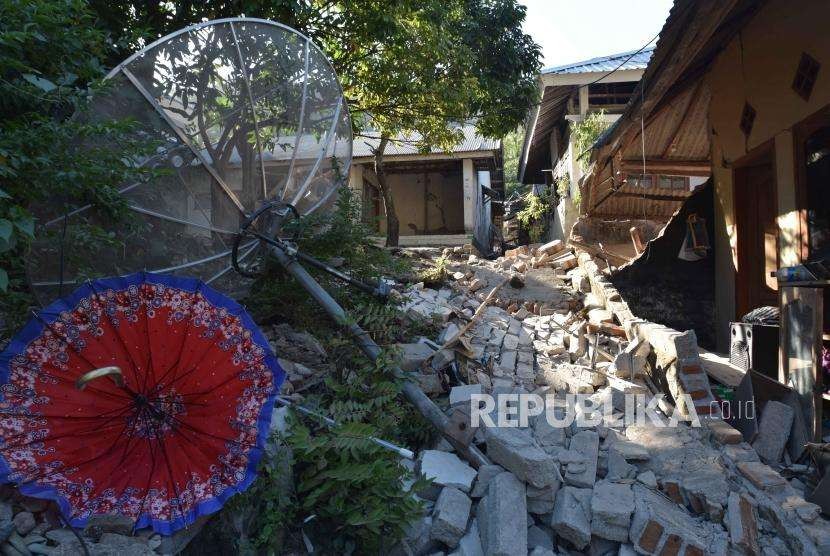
[573,30]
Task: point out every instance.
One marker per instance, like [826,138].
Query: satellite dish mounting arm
[458,430]
[272,216]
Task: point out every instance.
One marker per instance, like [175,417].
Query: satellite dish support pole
[455,433]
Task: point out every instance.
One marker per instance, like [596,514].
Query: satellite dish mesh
[239,111]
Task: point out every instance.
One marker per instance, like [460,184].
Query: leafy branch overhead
[408,66]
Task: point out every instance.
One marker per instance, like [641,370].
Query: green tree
[50,64]
[512,145]
[408,67]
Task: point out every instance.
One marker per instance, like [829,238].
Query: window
[610,95]
[645,182]
[679,183]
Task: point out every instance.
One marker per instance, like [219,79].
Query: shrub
[586,134]
[50,56]
[532,215]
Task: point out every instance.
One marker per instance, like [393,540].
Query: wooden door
[756,208]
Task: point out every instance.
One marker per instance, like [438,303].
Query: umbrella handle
[114,372]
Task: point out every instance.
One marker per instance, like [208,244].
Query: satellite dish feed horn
[248,126]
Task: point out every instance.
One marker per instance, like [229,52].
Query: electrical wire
[621,64]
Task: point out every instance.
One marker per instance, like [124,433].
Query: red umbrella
[176,427]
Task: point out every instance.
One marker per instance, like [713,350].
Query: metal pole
[416,397]
[403,452]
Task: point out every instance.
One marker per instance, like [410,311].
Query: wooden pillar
[787,219]
[583,101]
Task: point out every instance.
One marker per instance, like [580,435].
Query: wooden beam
[650,196]
[613,258]
[670,167]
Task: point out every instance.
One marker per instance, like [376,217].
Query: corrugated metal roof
[673,104]
[638,60]
[408,145]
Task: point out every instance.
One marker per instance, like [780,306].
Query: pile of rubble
[608,487]
[31,526]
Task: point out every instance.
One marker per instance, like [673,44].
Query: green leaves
[50,53]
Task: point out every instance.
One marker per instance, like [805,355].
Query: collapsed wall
[663,288]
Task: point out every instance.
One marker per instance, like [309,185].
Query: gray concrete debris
[24,522]
[659,526]
[449,516]
[603,547]
[773,431]
[446,470]
[417,540]
[742,524]
[648,478]
[541,500]
[485,474]
[618,468]
[517,451]
[463,394]
[571,518]
[442,359]
[611,508]
[414,355]
[502,516]
[583,473]
[548,436]
[538,537]
[470,543]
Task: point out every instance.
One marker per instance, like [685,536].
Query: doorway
[756,208]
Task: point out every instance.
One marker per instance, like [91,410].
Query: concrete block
[485,474]
[773,431]
[659,526]
[762,476]
[413,355]
[538,537]
[517,451]
[447,470]
[723,432]
[463,394]
[742,452]
[552,248]
[470,543]
[449,516]
[507,361]
[611,507]
[603,547]
[618,468]
[541,500]
[742,523]
[502,517]
[511,342]
[547,435]
[571,518]
[584,473]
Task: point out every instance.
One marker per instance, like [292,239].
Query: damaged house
[735,90]
[550,154]
[441,198]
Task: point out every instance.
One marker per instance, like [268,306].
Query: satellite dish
[239,112]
